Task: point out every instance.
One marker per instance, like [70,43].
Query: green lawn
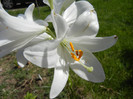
[115,18]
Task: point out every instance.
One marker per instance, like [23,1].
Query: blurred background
[115,18]
[10,4]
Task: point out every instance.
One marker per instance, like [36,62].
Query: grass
[115,18]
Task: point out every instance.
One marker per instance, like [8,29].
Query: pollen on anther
[76,51]
[72,47]
[80,53]
[74,57]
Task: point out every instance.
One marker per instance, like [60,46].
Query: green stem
[51,4]
[48,31]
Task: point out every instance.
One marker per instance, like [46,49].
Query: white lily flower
[21,60]
[58,5]
[72,48]
[17,32]
[68,9]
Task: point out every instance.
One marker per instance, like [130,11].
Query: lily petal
[64,56]
[94,44]
[60,79]
[8,35]
[29,12]
[39,39]
[21,16]
[22,61]
[43,54]
[85,25]
[12,46]
[97,75]
[60,25]
[57,5]
[70,14]
[48,18]
[20,24]
[60,5]
[46,2]
[65,5]
[41,22]
[2,27]
[83,6]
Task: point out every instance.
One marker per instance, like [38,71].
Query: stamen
[80,53]
[72,46]
[74,57]
[76,51]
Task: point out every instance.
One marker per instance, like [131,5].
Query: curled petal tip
[115,36]
[32,4]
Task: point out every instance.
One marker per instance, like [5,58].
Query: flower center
[76,54]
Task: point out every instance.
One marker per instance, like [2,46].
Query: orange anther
[80,54]
[72,47]
[74,57]
[77,53]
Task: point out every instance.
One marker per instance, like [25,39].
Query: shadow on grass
[127,60]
